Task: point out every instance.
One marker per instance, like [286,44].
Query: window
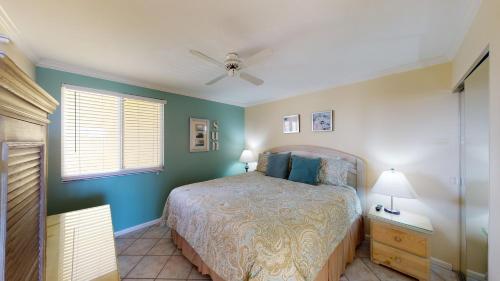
[105,133]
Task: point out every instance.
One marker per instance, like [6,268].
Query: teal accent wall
[139,198]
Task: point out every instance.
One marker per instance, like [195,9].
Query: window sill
[112,174]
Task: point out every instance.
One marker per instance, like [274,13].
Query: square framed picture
[198,135]
[322,121]
[291,124]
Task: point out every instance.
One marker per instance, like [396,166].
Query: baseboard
[136,227]
[441,264]
[476,276]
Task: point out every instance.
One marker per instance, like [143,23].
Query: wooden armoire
[24,110]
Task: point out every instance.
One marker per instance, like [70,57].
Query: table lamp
[246,156]
[394,183]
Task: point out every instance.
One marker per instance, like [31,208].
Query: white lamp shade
[247,156]
[394,183]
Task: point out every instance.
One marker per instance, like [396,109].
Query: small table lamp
[393,183]
[246,156]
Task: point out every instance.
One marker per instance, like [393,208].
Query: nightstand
[401,242]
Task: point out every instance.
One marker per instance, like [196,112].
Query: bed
[258,228]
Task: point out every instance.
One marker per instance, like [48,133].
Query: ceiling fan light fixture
[232,72]
[233,66]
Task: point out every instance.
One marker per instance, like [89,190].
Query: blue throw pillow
[305,170]
[277,165]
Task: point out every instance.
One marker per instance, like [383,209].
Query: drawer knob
[397,239]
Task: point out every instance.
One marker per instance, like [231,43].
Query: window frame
[122,171]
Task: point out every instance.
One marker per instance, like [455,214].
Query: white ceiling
[317,44]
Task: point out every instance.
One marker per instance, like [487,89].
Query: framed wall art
[198,135]
[322,121]
[291,124]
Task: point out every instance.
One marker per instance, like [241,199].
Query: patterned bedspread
[253,227]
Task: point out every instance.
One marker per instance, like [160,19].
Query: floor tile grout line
[163,267]
[135,239]
[147,253]
[133,267]
[142,257]
[369,269]
[164,236]
[168,259]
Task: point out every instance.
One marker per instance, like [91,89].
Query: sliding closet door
[475,172]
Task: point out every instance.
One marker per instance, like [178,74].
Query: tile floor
[149,254]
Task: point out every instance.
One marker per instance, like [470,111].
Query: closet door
[22,211]
[475,173]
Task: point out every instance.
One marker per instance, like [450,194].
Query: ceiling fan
[233,65]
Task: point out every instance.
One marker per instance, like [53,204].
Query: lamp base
[392,211]
[246,167]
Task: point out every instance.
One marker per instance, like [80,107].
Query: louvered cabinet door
[22,213]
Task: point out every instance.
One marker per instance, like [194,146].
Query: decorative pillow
[305,170]
[262,162]
[277,165]
[333,171]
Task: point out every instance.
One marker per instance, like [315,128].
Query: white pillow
[334,171]
[262,162]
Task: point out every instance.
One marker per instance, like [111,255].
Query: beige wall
[484,32]
[408,121]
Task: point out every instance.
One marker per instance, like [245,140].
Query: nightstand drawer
[415,266]
[400,238]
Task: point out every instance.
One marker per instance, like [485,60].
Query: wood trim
[3,206]
[330,152]
[16,81]
[6,146]
[13,106]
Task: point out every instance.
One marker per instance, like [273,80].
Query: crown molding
[10,28]
[379,74]
[55,65]
[22,98]
[20,84]
[52,64]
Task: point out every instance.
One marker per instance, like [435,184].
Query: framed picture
[198,135]
[322,121]
[291,124]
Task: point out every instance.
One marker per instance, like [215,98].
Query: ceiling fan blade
[207,58]
[215,80]
[252,79]
[258,57]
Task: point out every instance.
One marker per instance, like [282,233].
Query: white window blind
[107,133]
[142,134]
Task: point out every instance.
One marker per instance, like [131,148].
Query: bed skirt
[333,269]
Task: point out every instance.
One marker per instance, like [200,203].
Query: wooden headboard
[356,178]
